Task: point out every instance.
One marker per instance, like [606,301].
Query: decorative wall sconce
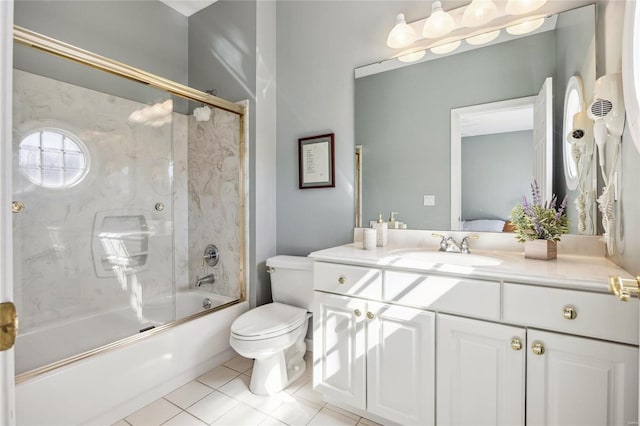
[478,23]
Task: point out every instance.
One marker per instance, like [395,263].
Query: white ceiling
[188,7]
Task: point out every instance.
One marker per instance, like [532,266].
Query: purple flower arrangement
[538,220]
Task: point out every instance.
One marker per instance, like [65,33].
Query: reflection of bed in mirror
[487,225]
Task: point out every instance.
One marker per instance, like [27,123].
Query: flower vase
[541,249]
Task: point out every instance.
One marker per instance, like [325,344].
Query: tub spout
[207,279]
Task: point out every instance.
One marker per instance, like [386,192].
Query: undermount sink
[432,256]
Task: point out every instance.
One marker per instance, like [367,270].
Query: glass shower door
[92,179]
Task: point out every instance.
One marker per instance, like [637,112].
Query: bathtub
[103,386]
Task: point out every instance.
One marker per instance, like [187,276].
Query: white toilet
[273,334]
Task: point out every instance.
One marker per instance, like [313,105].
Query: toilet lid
[268,320]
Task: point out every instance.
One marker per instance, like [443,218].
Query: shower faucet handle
[211,255]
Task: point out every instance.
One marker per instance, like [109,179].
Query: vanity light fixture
[412,56]
[445,48]
[520,7]
[402,35]
[525,27]
[483,38]
[479,12]
[439,23]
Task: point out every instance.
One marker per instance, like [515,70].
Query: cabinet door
[481,372]
[579,381]
[339,348]
[400,363]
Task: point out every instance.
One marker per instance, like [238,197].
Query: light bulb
[525,27]
[519,7]
[479,12]
[438,23]
[412,57]
[483,38]
[446,48]
[402,35]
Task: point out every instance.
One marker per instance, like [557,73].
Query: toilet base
[273,373]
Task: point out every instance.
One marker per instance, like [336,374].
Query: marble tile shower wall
[214,199]
[131,169]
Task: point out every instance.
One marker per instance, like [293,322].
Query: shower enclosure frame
[50,45]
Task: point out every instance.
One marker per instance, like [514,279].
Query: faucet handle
[464,246]
[443,241]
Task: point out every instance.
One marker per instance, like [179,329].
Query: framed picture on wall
[315,162]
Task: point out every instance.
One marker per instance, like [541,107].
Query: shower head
[202,113]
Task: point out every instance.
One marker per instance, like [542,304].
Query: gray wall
[144,34]
[402,120]
[319,45]
[496,172]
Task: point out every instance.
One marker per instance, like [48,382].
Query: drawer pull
[569,312]
[370,315]
[342,279]
[516,344]
[357,312]
[537,348]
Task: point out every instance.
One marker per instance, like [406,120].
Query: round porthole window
[52,158]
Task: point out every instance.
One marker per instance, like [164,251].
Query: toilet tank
[292,280]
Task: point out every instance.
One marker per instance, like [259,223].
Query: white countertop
[588,273]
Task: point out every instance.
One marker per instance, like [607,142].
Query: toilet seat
[268,321]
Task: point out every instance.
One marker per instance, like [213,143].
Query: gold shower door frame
[64,50]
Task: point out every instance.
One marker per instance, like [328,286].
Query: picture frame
[316,162]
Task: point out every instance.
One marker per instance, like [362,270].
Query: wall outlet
[429,200]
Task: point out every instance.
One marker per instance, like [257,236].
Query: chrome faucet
[450,245]
[207,279]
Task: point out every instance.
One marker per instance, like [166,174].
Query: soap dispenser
[392,224]
[381,231]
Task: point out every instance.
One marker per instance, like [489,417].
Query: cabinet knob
[569,312]
[370,315]
[357,312]
[342,279]
[516,344]
[537,348]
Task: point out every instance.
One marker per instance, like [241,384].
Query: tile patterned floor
[222,397]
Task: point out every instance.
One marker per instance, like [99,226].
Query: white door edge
[7,371]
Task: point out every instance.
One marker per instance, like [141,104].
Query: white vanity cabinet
[417,347]
[480,372]
[483,369]
[373,356]
[579,381]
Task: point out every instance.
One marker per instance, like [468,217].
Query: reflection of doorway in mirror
[358,184]
[492,150]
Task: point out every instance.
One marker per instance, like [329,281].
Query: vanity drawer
[468,297]
[351,280]
[589,314]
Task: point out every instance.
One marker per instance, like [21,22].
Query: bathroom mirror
[403,119]
[631,69]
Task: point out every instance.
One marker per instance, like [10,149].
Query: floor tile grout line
[181,411]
